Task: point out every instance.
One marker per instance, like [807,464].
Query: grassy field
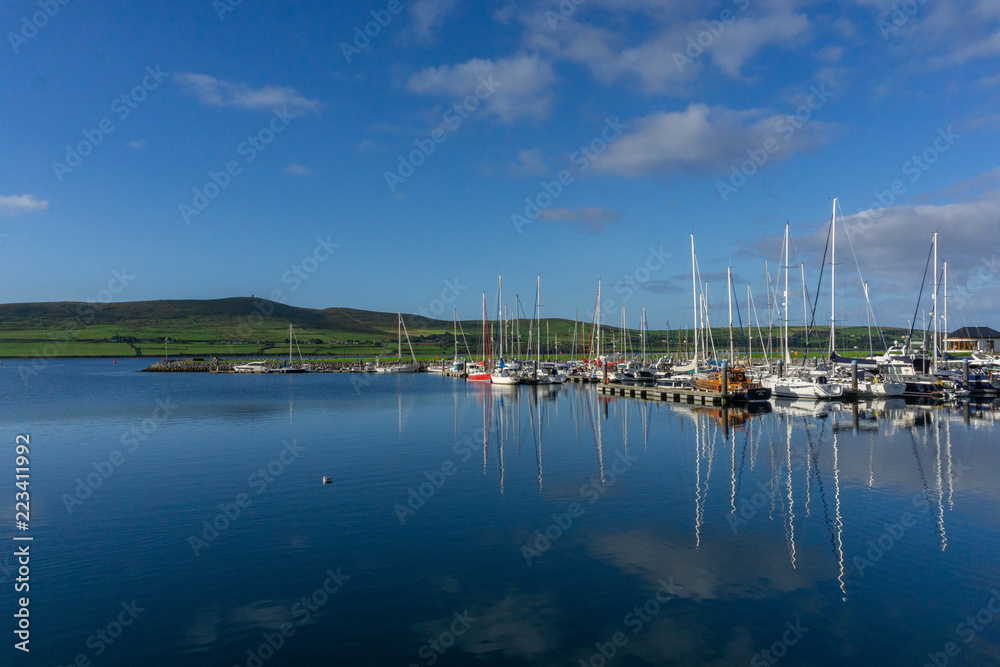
[245,327]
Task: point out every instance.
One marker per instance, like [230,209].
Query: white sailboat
[790,386]
[289,368]
[399,366]
[501,373]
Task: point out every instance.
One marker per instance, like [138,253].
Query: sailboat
[399,366]
[501,373]
[815,387]
[288,368]
[481,372]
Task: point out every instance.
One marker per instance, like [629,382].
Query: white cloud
[297,170]
[521,86]
[221,93]
[944,33]
[678,39]
[742,40]
[137,144]
[530,162]
[891,246]
[973,186]
[707,139]
[14,204]
[428,17]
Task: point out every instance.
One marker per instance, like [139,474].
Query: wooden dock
[666,394]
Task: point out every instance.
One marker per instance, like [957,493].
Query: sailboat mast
[770,313]
[805,309]
[694,298]
[598,318]
[934,362]
[788,354]
[500,315]
[576,318]
[945,350]
[643,335]
[517,322]
[538,314]
[486,336]
[833,279]
[871,346]
[729,290]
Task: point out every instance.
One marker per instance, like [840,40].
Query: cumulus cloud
[15,204]
[298,170]
[429,16]
[677,39]
[221,93]
[943,34]
[518,87]
[708,139]
[891,246]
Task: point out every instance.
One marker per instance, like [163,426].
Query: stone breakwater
[187,366]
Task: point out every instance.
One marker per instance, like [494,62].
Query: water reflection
[762,516]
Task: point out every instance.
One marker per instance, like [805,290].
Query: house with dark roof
[974,339]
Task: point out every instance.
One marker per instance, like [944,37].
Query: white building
[974,339]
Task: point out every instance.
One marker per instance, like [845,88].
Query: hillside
[245,326]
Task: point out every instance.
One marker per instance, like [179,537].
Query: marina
[430,333]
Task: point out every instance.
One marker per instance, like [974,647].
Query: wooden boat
[738,385]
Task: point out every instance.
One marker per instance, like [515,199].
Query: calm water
[479,526]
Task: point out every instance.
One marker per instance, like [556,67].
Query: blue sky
[199,150]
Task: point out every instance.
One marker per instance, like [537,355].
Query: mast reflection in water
[873,526]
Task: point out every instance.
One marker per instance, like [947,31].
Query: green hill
[245,326]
